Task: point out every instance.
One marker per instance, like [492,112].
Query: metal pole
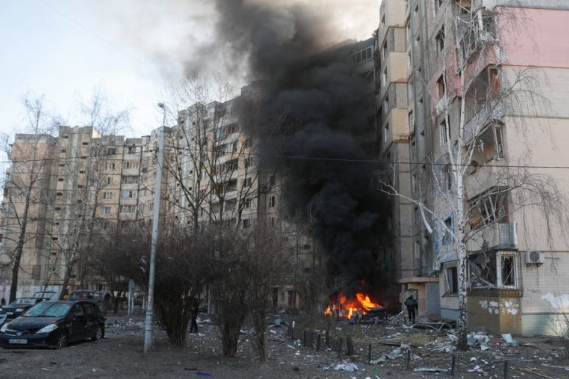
[155,219]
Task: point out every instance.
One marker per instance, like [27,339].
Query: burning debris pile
[356,307]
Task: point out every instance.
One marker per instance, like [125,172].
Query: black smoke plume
[324,108]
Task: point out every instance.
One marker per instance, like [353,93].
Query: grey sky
[63,49]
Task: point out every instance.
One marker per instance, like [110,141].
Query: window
[416,215]
[417,250]
[451,280]
[105,225]
[440,42]
[129,179]
[437,4]
[130,164]
[386,133]
[448,231]
[109,179]
[441,87]
[107,195]
[247,204]
[129,195]
[151,206]
[111,150]
[363,55]
[248,142]
[230,166]
[248,162]
[219,133]
[272,180]
[247,182]
[246,223]
[493,270]
[234,147]
[384,77]
[132,150]
[271,222]
[506,271]
[128,209]
[106,210]
[411,122]
[110,165]
[272,201]
[448,176]
[443,133]
[91,211]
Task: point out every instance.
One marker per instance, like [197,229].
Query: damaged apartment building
[86,186]
[471,105]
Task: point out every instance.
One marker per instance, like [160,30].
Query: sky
[131,50]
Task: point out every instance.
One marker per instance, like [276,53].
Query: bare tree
[91,162]
[31,155]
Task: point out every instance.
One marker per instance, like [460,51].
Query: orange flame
[347,308]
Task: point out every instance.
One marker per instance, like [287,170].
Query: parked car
[17,307]
[54,324]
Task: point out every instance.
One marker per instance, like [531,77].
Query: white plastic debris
[394,354]
[349,367]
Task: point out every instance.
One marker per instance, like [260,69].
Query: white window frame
[515,268]
[449,282]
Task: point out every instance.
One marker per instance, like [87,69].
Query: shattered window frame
[482,270]
[494,270]
[451,280]
[507,270]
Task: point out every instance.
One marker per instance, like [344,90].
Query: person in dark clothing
[411,305]
[194,322]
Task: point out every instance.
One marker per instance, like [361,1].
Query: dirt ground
[397,351]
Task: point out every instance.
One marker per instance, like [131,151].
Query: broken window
[507,271]
[491,208]
[451,280]
[493,270]
[448,232]
[440,41]
[482,270]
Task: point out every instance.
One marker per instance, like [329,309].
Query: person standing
[411,305]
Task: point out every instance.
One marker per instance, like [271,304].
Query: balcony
[229,196]
[127,216]
[493,174]
[490,113]
[496,236]
[226,176]
[130,171]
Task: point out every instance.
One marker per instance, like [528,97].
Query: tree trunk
[259,318]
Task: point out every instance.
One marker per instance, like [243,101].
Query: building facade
[471,93]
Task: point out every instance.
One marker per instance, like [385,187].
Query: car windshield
[24,301]
[47,309]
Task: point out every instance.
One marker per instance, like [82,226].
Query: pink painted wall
[535,37]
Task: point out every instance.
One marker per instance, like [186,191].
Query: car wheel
[60,340]
[99,333]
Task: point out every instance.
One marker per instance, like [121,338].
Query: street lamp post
[155,220]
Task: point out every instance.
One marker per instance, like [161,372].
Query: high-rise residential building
[483,169]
